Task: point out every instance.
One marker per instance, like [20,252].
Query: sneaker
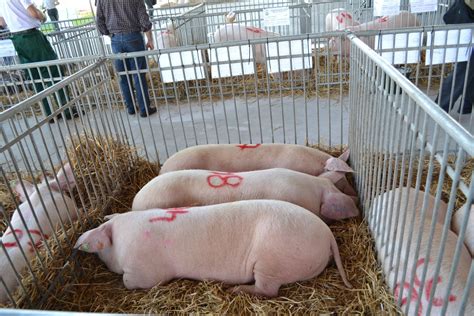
[58,117]
[131,112]
[151,111]
[465,111]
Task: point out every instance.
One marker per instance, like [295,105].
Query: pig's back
[243,157]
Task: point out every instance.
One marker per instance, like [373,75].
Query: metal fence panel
[400,138]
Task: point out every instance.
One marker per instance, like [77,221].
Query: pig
[339,19]
[239,32]
[250,157]
[57,206]
[458,219]
[393,262]
[267,242]
[230,17]
[403,19]
[203,187]
[167,38]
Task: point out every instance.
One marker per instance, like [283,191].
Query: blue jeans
[127,43]
[459,77]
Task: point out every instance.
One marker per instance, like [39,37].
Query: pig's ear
[336,164]
[65,181]
[95,240]
[338,206]
[345,155]
[28,187]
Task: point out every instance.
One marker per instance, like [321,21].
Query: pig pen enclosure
[397,137]
[218,93]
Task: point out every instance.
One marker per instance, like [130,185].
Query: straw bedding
[87,285]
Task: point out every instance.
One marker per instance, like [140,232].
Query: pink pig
[239,32]
[250,157]
[203,187]
[57,206]
[403,19]
[339,19]
[391,259]
[458,219]
[167,38]
[264,242]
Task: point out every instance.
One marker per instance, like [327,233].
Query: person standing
[24,20]
[462,11]
[124,21]
[52,11]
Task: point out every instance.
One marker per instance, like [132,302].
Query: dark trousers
[34,47]
[128,43]
[54,17]
[453,87]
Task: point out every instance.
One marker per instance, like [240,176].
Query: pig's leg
[267,276]
[263,287]
[142,281]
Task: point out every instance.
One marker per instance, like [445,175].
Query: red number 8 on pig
[220,179]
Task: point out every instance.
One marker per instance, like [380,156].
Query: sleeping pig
[47,204]
[250,157]
[458,219]
[203,187]
[263,242]
[395,202]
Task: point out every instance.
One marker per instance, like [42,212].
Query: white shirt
[15,14]
[49,4]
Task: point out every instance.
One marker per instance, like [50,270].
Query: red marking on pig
[437,301]
[254,29]
[382,19]
[339,19]
[223,179]
[174,213]
[19,232]
[245,146]
[346,15]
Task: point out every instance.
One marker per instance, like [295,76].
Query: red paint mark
[174,213]
[255,29]
[19,233]
[346,15]
[220,179]
[382,19]
[245,146]
[437,301]
[36,245]
[339,19]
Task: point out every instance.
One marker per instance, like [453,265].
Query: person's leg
[453,87]
[469,95]
[117,43]
[54,17]
[136,43]
[34,47]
